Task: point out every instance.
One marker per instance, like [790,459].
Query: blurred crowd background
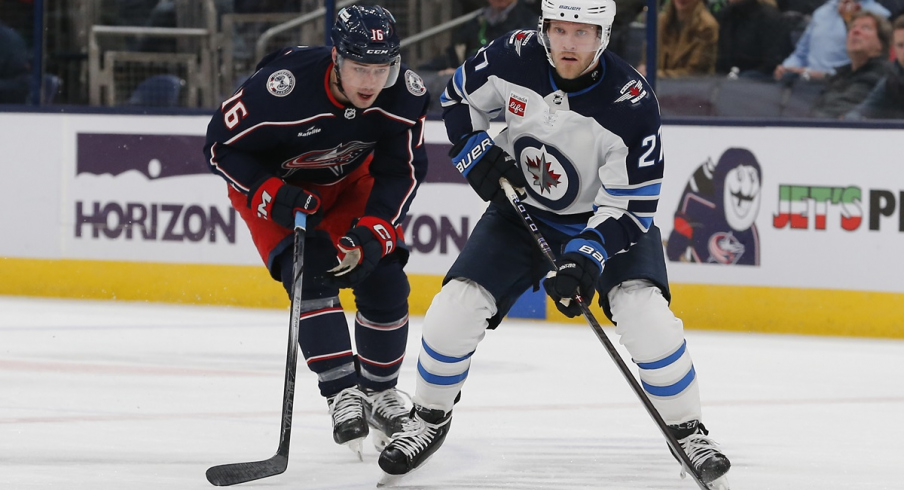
[827,59]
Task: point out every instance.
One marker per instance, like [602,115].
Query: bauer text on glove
[577,271]
[483,163]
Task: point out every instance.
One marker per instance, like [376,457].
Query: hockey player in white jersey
[583,140]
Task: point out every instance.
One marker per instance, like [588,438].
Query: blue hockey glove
[277,201]
[483,163]
[360,250]
[577,271]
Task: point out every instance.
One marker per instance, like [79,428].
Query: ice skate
[349,426]
[387,413]
[704,454]
[410,449]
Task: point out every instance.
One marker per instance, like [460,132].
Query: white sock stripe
[364,322]
[328,356]
[381,364]
[316,313]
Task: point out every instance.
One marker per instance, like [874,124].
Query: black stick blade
[231,474]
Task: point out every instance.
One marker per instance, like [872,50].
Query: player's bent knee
[457,318]
[646,325]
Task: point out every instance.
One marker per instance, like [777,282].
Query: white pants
[457,319]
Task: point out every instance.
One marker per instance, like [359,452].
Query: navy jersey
[592,158]
[284,122]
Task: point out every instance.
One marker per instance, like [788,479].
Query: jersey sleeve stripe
[649,190]
[391,116]
[276,123]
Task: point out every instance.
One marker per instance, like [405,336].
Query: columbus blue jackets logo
[281,83]
[715,219]
[334,158]
[415,83]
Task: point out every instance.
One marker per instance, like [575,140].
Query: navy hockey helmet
[367,34]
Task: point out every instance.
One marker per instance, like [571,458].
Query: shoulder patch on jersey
[517,104]
[415,83]
[633,91]
[519,39]
[281,83]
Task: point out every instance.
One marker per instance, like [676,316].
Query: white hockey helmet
[596,12]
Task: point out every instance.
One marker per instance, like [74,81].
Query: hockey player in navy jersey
[336,133]
[583,140]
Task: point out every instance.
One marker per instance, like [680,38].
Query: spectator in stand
[752,39]
[688,40]
[626,11]
[19,15]
[867,46]
[14,67]
[497,18]
[886,101]
[822,47]
[896,7]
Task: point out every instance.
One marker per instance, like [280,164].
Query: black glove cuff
[457,147]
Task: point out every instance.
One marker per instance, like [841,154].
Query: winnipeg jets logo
[544,177]
[281,83]
[632,91]
[333,158]
[552,179]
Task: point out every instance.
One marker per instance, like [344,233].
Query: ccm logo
[476,152]
[386,236]
[588,250]
[264,206]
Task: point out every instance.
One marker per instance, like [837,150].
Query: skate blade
[720,483]
[392,480]
[357,447]
[388,480]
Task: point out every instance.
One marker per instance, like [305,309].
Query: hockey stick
[230,474]
[601,335]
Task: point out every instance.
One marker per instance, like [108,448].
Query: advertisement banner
[798,217]
[783,207]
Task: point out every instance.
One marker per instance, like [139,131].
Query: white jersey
[592,158]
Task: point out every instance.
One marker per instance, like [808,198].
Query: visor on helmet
[358,71]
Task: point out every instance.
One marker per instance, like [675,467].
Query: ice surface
[139,396]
